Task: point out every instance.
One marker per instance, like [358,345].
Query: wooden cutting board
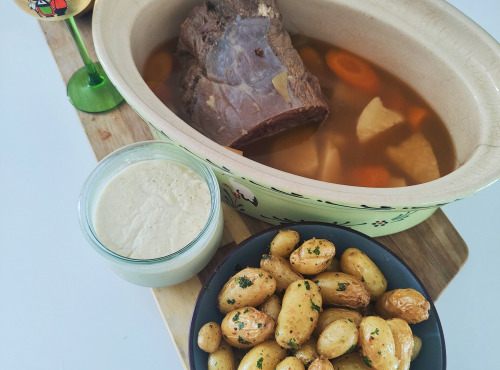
[434,249]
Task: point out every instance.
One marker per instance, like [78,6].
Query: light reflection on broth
[345,149]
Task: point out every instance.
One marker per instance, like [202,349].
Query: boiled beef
[242,78]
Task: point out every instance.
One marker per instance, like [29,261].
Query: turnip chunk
[423,166]
[297,154]
[397,182]
[375,119]
[330,166]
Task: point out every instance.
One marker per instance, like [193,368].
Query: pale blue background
[61,308]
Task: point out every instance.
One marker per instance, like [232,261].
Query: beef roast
[243,80]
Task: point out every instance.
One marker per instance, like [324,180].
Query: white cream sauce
[152,209]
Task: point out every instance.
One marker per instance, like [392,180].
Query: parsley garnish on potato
[259,362]
[314,306]
[242,341]
[293,344]
[244,282]
[342,287]
[367,361]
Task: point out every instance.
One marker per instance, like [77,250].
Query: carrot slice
[370,176]
[416,115]
[311,59]
[158,67]
[237,151]
[353,70]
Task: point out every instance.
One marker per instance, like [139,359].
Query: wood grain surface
[433,249]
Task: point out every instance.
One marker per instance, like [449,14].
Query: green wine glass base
[89,95]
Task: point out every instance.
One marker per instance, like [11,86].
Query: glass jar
[170,269]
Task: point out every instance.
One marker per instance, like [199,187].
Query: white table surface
[61,308]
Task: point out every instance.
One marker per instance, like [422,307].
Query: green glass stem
[94,77]
[89,89]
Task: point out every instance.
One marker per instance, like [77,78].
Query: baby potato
[299,314]
[209,337]
[313,256]
[266,356]
[284,243]
[334,266]
[355,262]
[222,358]
[331,314]
[340,289]
[307,352]
[321,364]
[406,304]
[281,270]
[352,361]
[290,363]
[246,327]
[377,343]
[403,340]
[417,346]
[339,337]
[271,307]
[249,287]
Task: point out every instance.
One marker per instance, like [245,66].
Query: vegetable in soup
[379,133]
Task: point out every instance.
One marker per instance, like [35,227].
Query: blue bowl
[249,252]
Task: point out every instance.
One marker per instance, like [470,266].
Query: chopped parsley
[243,282]
[236,317]
[362,279]
[292,343]
[309,251]
[241,325]
[230,301]
[246,342]
[316,250]
[259,362]
[308,286]
[342,287]
[367,361]
[375,331]
[259,325]
[246,310]
[351,349]
[314,306]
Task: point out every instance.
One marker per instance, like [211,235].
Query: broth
[347,148]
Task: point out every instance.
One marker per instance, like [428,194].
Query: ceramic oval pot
[442,54]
